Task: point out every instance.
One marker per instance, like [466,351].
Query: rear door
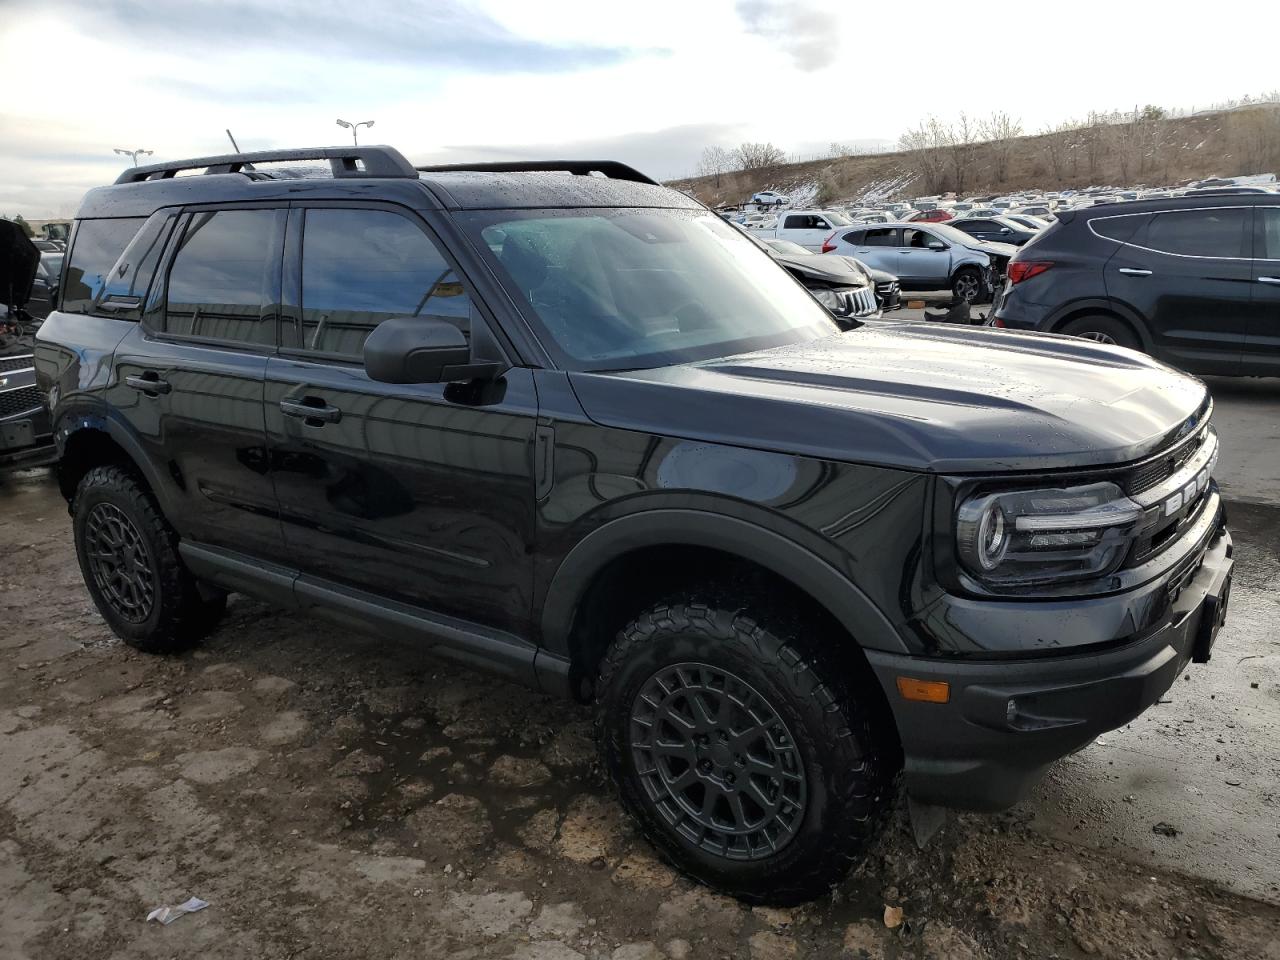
[1188,273]
[422,493]
[877,247]
[189,376]
[1262,343]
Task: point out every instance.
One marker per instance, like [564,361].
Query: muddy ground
[334,796]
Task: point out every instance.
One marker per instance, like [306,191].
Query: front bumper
[26,433]
[1007,721]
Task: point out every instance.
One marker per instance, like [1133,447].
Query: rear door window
[883,237]
[96,247]
[225,276]
[1200,233]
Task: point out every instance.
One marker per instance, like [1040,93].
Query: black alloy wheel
[120,562]
[717,761]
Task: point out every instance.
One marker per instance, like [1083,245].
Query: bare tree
[1093,138]
[715,162]
[1253,137]
[962,142]
[758,156]
[1056,149]
[1002,132]
[926,144]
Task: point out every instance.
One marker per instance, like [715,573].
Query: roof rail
[345,162]
[610,168]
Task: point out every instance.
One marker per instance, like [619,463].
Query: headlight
[1042,536]
[829,299]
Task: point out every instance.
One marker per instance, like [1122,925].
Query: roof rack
[610,168]
[345,162]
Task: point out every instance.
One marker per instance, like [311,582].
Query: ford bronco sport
[561,422]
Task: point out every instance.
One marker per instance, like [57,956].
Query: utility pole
[134,153]
[353,127]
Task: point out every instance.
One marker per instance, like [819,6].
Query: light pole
[134,153]
[353,127]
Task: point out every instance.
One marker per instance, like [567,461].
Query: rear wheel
[129,558]
[1103,329]
[748,761]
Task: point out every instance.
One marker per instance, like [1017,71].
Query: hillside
[1152,151]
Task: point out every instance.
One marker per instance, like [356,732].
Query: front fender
[666,527]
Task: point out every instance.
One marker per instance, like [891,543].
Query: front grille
[10,364]
[864,302]
[19,401]
[1160,468]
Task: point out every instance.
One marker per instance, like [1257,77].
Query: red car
[929,216]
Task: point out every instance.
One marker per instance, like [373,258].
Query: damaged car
[840,285]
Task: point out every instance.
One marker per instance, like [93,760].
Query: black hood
[918,396]
[824,268]
[18,260]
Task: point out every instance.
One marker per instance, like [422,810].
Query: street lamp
[134,153]
[353,127]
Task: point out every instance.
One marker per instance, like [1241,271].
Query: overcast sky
[649,82]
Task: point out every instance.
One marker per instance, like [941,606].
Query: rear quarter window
[1121,229]
[95,248]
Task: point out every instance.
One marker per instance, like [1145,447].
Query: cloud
[444,33]
[662,154]
[807,33]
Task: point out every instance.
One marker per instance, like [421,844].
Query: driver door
[418,492]
[918,264]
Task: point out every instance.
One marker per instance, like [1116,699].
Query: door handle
[1275,280]
[1133,272]
[151,384]
[316,409]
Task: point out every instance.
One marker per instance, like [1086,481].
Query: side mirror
[417,350]
[1005,230]
[937,245]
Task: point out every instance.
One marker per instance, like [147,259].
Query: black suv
[1193,281]
[558,421]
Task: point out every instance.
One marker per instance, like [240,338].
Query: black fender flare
[73,423]
[667,527]
[1100,305]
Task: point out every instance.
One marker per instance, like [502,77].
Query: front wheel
[749,762]
[968,286]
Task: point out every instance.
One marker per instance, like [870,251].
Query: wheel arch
[647,554]
[88,441]
[1104,307]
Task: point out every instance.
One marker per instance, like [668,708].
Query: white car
[770,199]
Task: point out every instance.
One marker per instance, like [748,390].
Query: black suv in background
[558,421]
[1193,281]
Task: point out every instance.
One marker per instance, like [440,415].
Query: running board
[475,645]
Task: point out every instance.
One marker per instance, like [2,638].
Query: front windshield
[837,219]
[638,288]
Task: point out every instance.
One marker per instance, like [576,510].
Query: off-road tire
[1103,329]
[177,616]
[847,760]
